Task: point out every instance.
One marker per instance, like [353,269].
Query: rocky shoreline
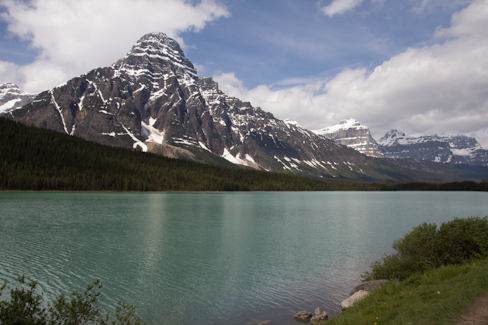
[357,293]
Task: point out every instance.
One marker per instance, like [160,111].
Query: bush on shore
[426,247]
[27,307]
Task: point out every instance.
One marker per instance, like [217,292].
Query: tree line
[42,160]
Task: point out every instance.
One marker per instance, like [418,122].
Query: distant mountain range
[152,100]
[448,149]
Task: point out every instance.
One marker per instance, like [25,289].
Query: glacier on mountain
[444,148]
[352,134]
[12,98]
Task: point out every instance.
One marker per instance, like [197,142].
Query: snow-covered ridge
[457,142]
[349,123]
[290,122]
[457,149]
[11,97]
[352,134]
[156,47]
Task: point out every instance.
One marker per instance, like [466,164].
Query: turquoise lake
[213,258]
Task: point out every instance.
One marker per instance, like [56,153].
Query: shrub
[420,245]
[25,307]
[426,247]
[463,239]
[391,266]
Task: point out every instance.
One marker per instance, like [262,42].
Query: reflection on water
[213,258]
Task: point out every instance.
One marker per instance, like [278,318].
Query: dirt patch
[476,313]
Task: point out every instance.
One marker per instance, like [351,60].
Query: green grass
[439,297]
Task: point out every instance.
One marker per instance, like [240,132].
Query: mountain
[354,135]
[12,98]
[153,100]
[450,149]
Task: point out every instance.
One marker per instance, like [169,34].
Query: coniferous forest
[42,160]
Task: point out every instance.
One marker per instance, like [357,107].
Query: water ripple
[211,258]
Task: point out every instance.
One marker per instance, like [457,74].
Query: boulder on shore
[303,316]
[346,303]
[369,286]
[320,317]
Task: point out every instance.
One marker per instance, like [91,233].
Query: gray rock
[303,316]
[369,286]
[347,303]
[320,317]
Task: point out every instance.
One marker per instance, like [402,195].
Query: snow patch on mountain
[352,134]
[451,149]
[347,124]
[12,98]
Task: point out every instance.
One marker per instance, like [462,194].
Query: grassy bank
[438,296]
[435,273]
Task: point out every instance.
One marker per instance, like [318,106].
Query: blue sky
[272,42]
[415,65]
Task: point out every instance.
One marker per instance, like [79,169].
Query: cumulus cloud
[434,89]
[340,6]
[73,36]
[8,70]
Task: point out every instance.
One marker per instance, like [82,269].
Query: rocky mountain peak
[7,86]
[352,134]
[390,137]
[12,97]
[156,55]
[351,123]
[10,88]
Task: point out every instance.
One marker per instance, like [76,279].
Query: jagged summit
[452,149]
[157,57]
[10,88]
[352,134]
[157,47]
[12,97]
[390,137]
[349,123]
[6,86]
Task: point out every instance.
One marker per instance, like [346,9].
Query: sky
[419,66]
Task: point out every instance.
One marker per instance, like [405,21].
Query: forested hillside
[37,159]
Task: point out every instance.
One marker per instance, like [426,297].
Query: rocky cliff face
[451,149]
[354,135]
[12,98]
[152,100]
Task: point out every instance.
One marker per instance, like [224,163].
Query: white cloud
[8,70]
[434,89]
[340,7]
[74,37]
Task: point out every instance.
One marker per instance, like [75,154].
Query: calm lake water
[213,258]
